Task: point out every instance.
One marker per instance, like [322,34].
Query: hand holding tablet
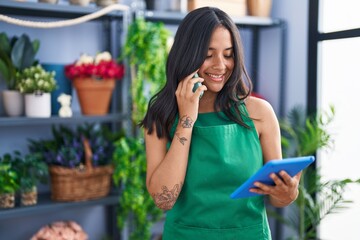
[291,165]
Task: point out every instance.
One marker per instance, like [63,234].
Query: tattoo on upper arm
[181,139]
[186,121]
[167,198]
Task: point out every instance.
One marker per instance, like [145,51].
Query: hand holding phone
[197,84]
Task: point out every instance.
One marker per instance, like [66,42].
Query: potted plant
[16,54]
[94,80]
[80,161]
[303,135]
[31,170]
[8,182]
[36,84]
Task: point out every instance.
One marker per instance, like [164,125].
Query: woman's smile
[216,77]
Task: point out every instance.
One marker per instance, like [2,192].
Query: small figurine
[65,102]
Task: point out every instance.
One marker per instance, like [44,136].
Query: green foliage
[31,170]
[303,135]
[23,52]
[146,49]
[8,175]
[36,80]
[16,54]
[130,174]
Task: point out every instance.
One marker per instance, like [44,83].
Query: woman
[199,150]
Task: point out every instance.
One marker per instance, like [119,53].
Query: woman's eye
[209,56]
[228,56]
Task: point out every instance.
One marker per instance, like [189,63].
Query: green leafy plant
[30,169]
[8,175]
[35,79]
[130,174]
[146,50]
[303,135]
[16,54]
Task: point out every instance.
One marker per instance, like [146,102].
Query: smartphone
[196,85]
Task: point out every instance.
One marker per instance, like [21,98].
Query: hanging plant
[146,49]
[130,171]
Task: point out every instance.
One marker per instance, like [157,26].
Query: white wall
[295,13]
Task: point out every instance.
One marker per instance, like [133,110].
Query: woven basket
[80,184]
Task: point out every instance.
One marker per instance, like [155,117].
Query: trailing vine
[130,173]
[146,51]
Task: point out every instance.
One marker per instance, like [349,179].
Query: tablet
[291,165]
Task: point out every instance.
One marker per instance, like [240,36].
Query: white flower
[85,59]
[41,82]
[103,56]
[28,81]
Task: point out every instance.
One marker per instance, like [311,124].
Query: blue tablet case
[291,165]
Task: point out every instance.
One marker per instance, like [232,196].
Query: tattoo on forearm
[181,139]
[167,198]
[186,121]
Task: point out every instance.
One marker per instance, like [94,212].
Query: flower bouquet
[94,80]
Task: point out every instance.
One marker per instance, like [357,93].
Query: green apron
[222,156]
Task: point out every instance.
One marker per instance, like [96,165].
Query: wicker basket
[80,184]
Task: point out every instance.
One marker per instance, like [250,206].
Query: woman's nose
[219,63]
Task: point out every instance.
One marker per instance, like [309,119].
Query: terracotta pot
[94,95]
[259,8]
[7,200]
[29,197]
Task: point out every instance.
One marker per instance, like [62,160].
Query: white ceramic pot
[38,105]
[13,103]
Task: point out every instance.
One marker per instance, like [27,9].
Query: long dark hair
[187,54]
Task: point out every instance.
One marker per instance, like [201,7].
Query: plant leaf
[5,44]
[22,54]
